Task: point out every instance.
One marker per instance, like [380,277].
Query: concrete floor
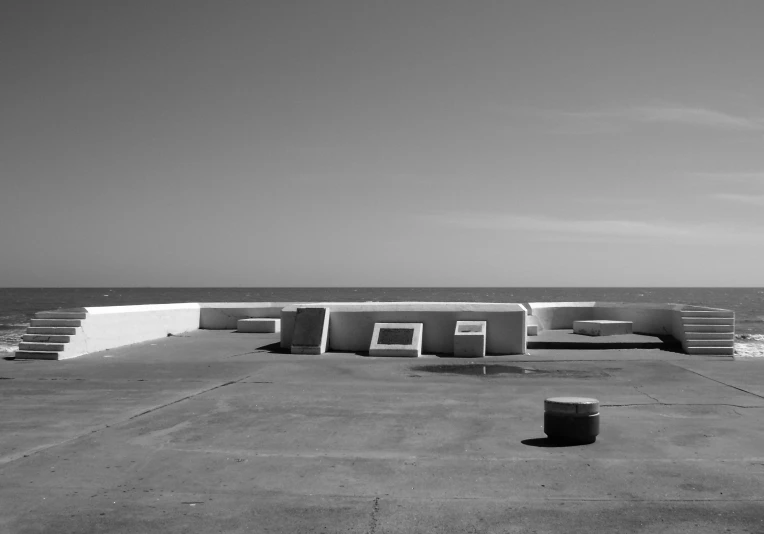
[208,432]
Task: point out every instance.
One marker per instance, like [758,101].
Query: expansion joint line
[722,383]
[91,431]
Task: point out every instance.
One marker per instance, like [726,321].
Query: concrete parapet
[225,315]
[352,324]
[259,326]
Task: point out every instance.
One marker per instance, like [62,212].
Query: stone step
[56,322]
[42,338]
[709,335]
[708,313]
[53,330]
[47,347]
[36,355]
[710,350]
[711,343]
[708,320]
[709,328]
[62,314]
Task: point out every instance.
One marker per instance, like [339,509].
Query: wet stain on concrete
[500,369]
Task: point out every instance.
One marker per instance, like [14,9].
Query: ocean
[18,305]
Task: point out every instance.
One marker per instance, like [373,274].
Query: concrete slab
[219,431]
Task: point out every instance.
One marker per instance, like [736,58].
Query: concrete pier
[214,431]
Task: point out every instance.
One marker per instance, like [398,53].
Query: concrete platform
[213,431]
[568,339]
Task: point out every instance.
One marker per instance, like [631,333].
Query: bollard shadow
[546,443]
[273,347]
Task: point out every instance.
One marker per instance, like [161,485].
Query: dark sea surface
[18,305]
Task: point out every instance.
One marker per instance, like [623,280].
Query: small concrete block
[532,329]
[259,326]
[601,327]
[311,331]
[469,339]
[572,420]
[396,339]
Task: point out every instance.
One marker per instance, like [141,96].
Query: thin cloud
[672,115]
[754,200]
[743,176]
[591,230]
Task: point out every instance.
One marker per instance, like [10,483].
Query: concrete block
[602,327]
[396,339]
[572,420]
[469,339]
[259,326]
[311,331]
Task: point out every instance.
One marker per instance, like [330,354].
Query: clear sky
[382,143]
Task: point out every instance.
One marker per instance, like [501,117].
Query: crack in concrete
[647,395]
[678,404]
[373,519]
[719,381]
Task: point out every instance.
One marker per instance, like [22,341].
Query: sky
[381,143]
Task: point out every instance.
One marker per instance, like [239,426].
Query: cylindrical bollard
[572,420]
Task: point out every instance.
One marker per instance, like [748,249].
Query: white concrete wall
[225,315]
[352,324]
[114,326]
[654,319]
[560,315]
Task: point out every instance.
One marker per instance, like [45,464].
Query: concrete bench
[259,326]
[602,327]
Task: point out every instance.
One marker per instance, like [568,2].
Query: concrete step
[710,350]
[708,320]
[36,355]
[56,322]
[710,335]
[47,347]
[711,343]
[708,313]
[42,338]
[726,328]
[62,314]
[53,330]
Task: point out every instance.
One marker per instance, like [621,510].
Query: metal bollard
[572,420]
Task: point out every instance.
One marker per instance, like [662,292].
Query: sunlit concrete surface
[211,431]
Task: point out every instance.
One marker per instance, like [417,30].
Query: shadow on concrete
[273,347]
[546,443]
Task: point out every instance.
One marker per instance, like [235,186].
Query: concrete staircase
[708,331]
[51,335]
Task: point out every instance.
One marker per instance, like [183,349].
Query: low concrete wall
[115,326]
[559,315]
[225,315]
[647,318]
[351,325]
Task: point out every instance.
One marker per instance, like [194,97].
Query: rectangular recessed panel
[470,328]
[395,336]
